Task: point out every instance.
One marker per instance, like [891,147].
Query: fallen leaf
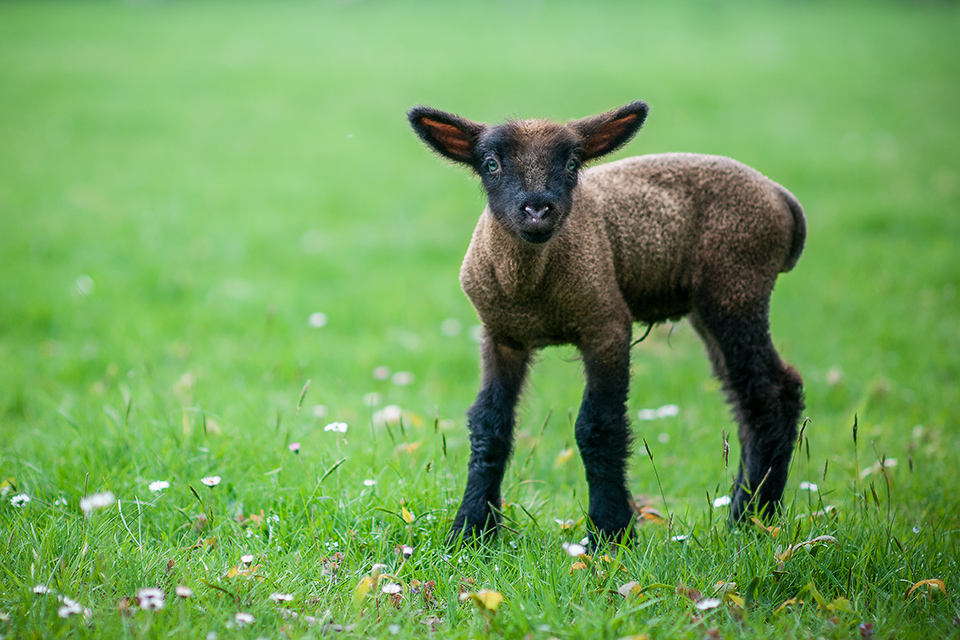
[629,588]
[772,530]
[407,516]
[935,587]
[486,600]
[649,514]
[819,540]
[689,593]
[577,566]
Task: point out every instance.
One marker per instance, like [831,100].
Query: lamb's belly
[529,326]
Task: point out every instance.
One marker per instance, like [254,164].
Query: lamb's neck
[519,266]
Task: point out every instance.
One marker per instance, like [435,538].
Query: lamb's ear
[447,134]
[609,131]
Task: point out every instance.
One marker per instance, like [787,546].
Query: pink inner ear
[449,137]
[608,134]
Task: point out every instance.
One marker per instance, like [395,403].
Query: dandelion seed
[247,558]
[20,500]
[294,447]
[573,549]
[41,589]
[707,603]
[281,597]
[721,501]
[317,320]
[808,486]
[402,378]
[159,486]
[97,501]
[183,591]
[151,599]
[319,411]
[243,619]
[336,427]
[369,482]
[391,588]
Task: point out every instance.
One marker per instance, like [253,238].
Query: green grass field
[186,187]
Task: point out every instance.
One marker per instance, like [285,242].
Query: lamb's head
[529,168]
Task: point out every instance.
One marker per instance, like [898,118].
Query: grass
[183,185]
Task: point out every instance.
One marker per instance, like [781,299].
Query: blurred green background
[182,185]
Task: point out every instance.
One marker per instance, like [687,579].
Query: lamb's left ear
[609,131]
[447,134]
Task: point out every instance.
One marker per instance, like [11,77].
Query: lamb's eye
[572,165]
[491,165]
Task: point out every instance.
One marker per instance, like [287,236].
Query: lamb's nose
[536,214]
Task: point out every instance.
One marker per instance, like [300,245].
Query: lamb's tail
[799,229]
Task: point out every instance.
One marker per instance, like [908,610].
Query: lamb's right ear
[609,131]
[449,135]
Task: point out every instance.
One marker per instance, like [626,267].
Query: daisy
[721,501]
[574,549]
[281,597]
[159,486]
[294,447]
[20,500]
[243,618]
[151,598]
[97,501]
[183,591]
[211,481]
[391,588]
[338,427]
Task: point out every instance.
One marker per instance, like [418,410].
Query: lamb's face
[529,171]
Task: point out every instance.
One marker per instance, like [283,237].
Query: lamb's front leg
[491,422]
[602,431]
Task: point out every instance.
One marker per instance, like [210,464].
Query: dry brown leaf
[789,551]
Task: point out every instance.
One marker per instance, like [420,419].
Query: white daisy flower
[707,603]
[97,501]
[247,558]
[721,501]
[337,427]
[294,447]
[574,549]
[391,588]
[244,618]
[281,597]
[41,589]
[809,486]
[211,481]
[402,378]
[151,598]
[369,482]
[317,320]
[381,373]
[183,591]
[159,486]
[20,500]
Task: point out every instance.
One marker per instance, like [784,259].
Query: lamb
[564,254]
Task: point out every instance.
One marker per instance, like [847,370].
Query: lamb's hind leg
[767,397]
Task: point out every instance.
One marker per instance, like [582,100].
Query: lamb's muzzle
[566,255]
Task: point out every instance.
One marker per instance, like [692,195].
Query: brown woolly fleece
[664,228]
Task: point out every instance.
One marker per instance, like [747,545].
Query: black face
[529,171]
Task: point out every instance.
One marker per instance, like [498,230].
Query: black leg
[767,397]
[491,422]
[602,431]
